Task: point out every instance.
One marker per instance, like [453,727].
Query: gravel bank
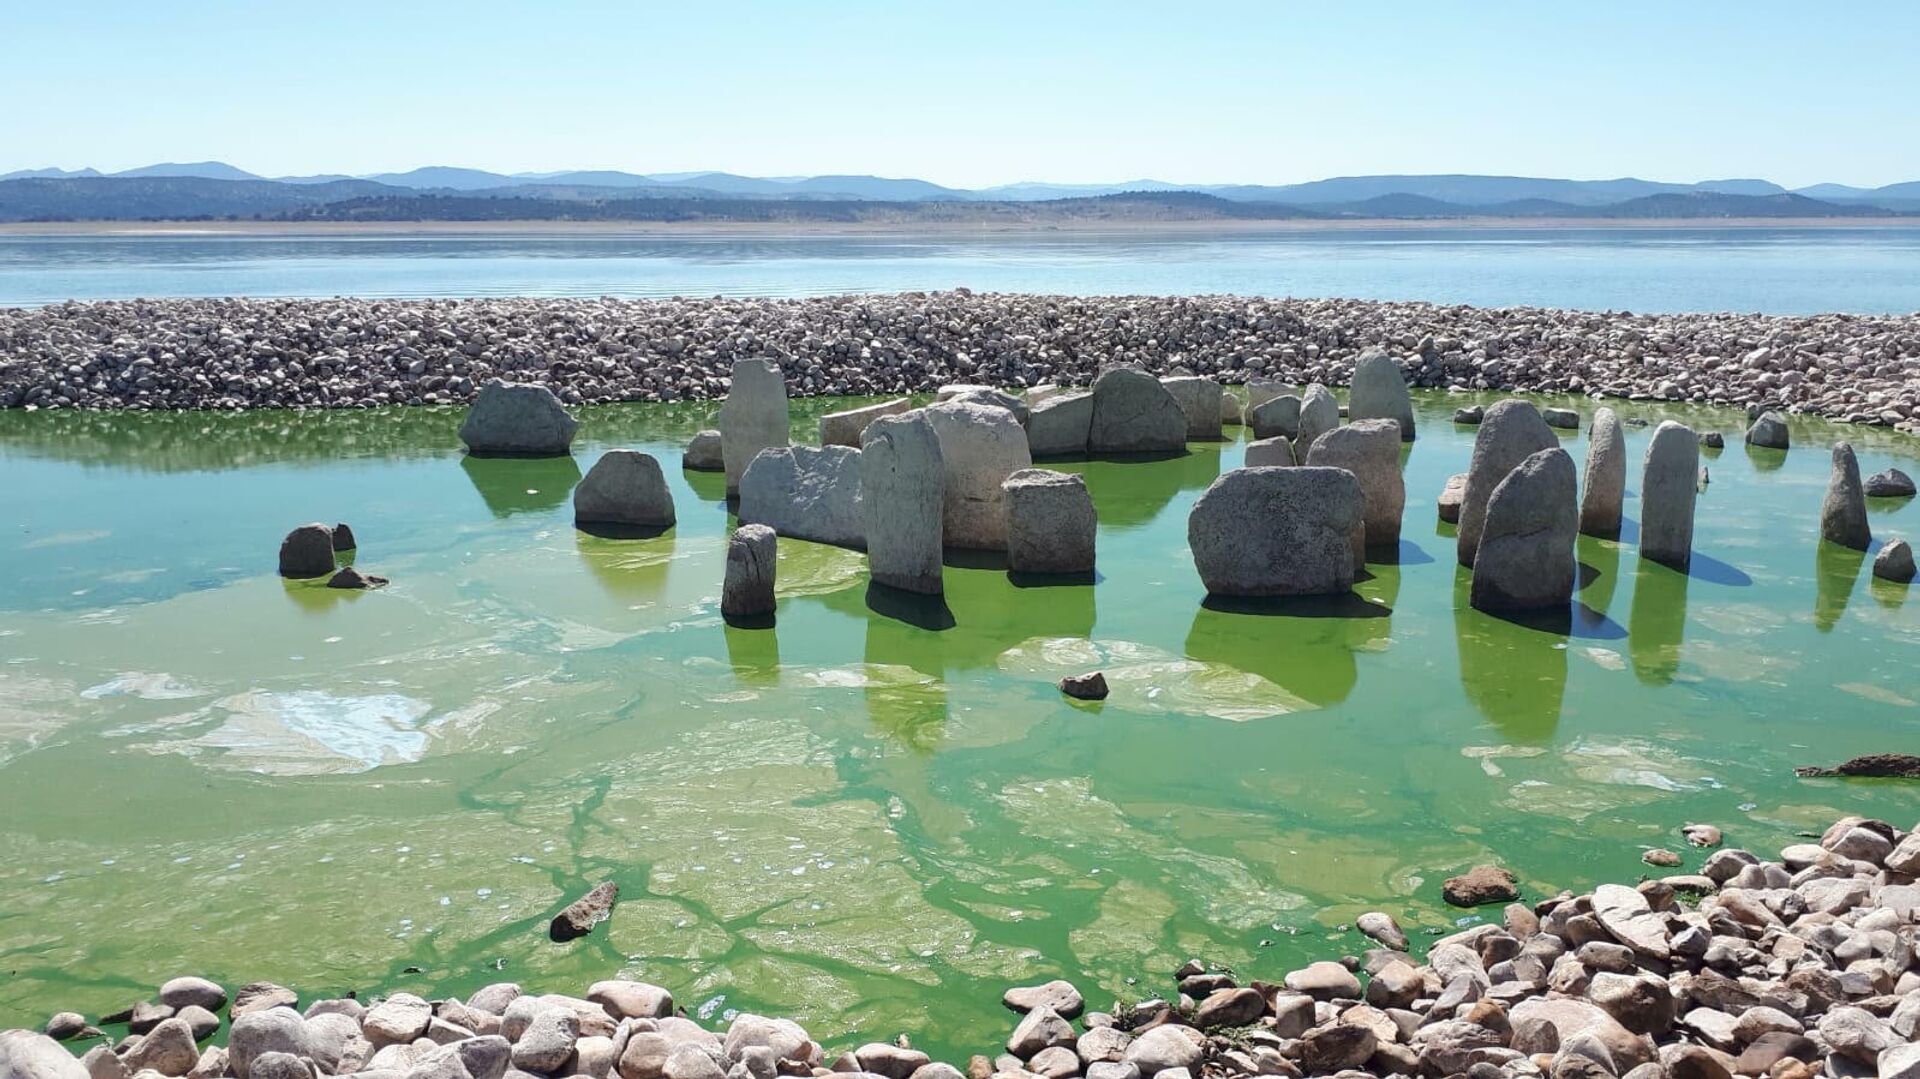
[1790,969]
[343,353]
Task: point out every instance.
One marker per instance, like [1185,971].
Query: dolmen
[902,496]
[1843,513]
[1378,391]
[1669,483]
[1051,523]
[845,428]
[1525,559]
[625,488]
[752,560]
[754,417]
[513,419]
[1602,499]
[1134,413]
[980,447]
[1370,449]
[1276,532]
[806,492]
[1510,432]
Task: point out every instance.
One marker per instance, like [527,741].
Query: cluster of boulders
[313,550]
[251,353]
[1791,968]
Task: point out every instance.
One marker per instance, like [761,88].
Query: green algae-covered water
[870,820]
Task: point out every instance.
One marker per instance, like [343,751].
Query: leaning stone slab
[517,419]
[752,559]
[806,492]
[1050,522]
[1276,531]
[1133,413]
[1058,426]
[1199,400]
[979,448]
[1379,391]
[1668,486]
[703,453]
[1370,449]
[902,493]
[1606,488]
[1319,413]
[1770,431]
[624,487]
[1843,514]
[1276,417]
[845,428]
[1275,452]
[1525,560]
[307,552]
[753,418]
[1510,432]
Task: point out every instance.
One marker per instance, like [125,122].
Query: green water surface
[871,820]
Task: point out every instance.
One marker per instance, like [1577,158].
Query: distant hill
[36,174]
[164,198]
[211,170]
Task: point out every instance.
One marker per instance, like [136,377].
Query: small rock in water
[1660,857]
[1383,928]
[259,996]
[1896,765]
[65,1026]
[1713,440]
[307,552]
[1471,414]
[349,577]
[1702,835]
[189,991]
[580,916]
[703,453]
[752,559]
[343,537]
[1565,419]
[1058,994]
[1091,686]
[1451,496]
[1479,885]
[1894,562]
[1890,483]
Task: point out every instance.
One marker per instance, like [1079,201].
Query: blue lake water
[1772,270]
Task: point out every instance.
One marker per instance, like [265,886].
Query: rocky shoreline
[1788,969]
[352,353]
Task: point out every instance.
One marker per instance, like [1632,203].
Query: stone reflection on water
[878,811]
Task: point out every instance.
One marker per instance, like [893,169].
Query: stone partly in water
[1275,452]
[1668,489]
[518,420]
[1565,419]
[1451,496]
[1480,885]
[578,918]
[1370,449]
[1889,483]
[1469,416]
[1511,432]
[1843,514]
[1276,417]
[350,577]
[1526,561]
[1050,522]
[1134,413]
[1058,425]
[753,418]
[1882,765]
[624,487]
[1379,391]
[1769,431]
[1894,562]
[752,559]
[1602,499]
[806,492]
[307,552]
[1199,400]
[1016,407]
[1276,531]
[979,448]
[343,539]
[1319,413]
[704,453]
[1232,411]
[1091,686]
[846,428]
[902,495]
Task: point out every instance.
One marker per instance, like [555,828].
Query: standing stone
[1667,490]
[807,492]
[624,487]
[979,448]
[517,420]
[1510,432]
[1370,449]
[1199,400]
[1606,490]
[1379,391]
[845,428]
[1319,413]
[1451,496]
[343,539]
[902,490]
[1276,417]
[1262,390]
[703,453]
[754,417]
[752,555]
[307,552]
[1050,522]
[1565,419]
[1770,431]
[1525,560]
[1275,452]
[1276,531]
[1058,426]
[992,398]
[1231,411]
[1133,413]
[1894,562]
[1843,515]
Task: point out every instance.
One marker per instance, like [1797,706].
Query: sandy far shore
[698,229]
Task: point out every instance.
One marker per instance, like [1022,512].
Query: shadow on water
[1835,569]
[1889,594]
[1406,553]
[1126,495]
[1657,621]
[1514,675]
[754,650]
[511,485]
[1598,572]
[1021,579]
[914,608]
[1304,644]
[1342,605]
[1576,620]
[961,558]
[628,570]
[707,486]
[314,597]
[1629,533]
[1707,568]
[1765,460]
[607,531]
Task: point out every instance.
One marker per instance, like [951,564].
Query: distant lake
[1774,270]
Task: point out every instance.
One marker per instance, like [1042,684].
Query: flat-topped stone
[1134,413]
[1275,452]
[903,494]
[979,448]
[1379,391]
[1058,425]
[806,492]
[1050,522]
[845,428]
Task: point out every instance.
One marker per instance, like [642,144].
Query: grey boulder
[1769,430]
[902,496]
[752,557]
[1606,487]
[1510,432]
[1199,400]
[1050,522]
[1889,483]
[1276,417]
[1525,561]
[1319,413]
[1843,513]
[846,428]
[1378,391]
[1276,531]
[1370,449]
[979,448]
[513,419]
[806,492]
[1894,562]
[703,453]
[1134,413]
[307,552]
[624,487]
[1058,425]
[1275,452]
[1668,487]
[754,417]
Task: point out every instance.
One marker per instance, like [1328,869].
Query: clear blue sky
[972,94]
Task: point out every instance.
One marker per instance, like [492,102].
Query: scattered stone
[902,495]
[754,417]
[1511,432]
[307,552]
[1381,927]
[1058,426]
[1565,419]
[1667,493]
[258,996]
[1134,413]
[752,561]
[514,419]
[1451,496]
[1660,857]
[1058,995]
[1702,835]
[26,1055]
[578,918]
[806,492]
[342,541]
[1379,391]
[1843,513]
[1276,417]
[1889,483]
[992,398]
[1480,885]
[349,577]
[1091,686]
[1894,562]
[1606,477]
[1769,431]
[1042,1028]
[1896,765]
[1275,452]
[624,487]
[1050,522]
[65,1026]
[704,453]
[1712,440]
[1276,531]
[1471,415]
[1525,559]
[1319,413]
[849,428]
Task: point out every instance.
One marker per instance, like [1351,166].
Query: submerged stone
[307,552]
[703,453]
[624,487]
[1769,431]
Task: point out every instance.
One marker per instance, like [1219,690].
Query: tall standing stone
[1134,413]
[1606,489]
[1319,413]
[903,490]
[752,558]
[753,418]
[1525,560]
[624,487]
[1050,522]
[512,419]
[979,448]
[1199,400]
[1668,486]
[1276,531]
[1379,391]
[1843,515]
[1510,432]
[1370,449]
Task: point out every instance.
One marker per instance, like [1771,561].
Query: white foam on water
[157,686]
[312,731]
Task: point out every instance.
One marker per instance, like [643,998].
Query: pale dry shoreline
[701,229]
